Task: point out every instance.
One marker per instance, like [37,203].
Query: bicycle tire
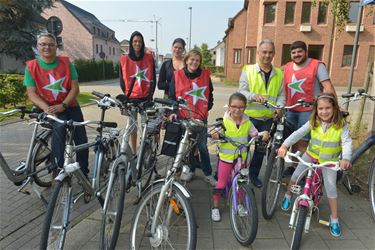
[247,236]
[371,187]
[300,227]
[272,184]
[112,216]
[181,212]
[40,156]
[109,155]
[55,226]
[148,163]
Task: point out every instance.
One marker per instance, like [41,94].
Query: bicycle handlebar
[300,102]
[357,96]
[327,164]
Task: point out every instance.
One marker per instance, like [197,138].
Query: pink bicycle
[307,200]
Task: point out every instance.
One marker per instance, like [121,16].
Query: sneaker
[288,172]
[215,214]
[210,179]
[256,182]
[242,210]
[335,229]
[186,176]
[285,205]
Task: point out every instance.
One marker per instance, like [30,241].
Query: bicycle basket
[172,138]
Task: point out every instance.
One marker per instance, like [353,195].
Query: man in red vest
[52,84]
[304,78]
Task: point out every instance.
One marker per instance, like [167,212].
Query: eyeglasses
[237,107]
[44,45]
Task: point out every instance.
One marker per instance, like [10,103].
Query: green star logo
[140,75]
[197,93]
[295,85]
[55,86]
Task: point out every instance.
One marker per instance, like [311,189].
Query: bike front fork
[300,201]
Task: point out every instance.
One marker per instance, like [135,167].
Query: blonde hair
[191,53]
[337,118]
[46,34]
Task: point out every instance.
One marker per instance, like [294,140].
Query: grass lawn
[83,98]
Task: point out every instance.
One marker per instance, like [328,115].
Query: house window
[109,49]
[113,50]
[306,12]
[285,57]
[101,48]
[316,51]
[269,13]
[251,55]
[353,12]
[289,12]
[322,13]
[347,55]
[97,49]
[94,30]
[237,56]
[98,32]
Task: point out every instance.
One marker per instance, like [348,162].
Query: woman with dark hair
[137,76]
[169,66]
[194,85]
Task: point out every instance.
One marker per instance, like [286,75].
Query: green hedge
[92,70]
[12,90]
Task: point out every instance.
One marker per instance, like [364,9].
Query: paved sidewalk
[21,216]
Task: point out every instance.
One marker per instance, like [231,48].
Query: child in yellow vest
[238,127]
[330,138]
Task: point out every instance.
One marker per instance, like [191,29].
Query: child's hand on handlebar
[172,117]
[265,135]
[345,164]
[281,152]
[215,136]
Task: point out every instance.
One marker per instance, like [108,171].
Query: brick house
[285,21]
[83,35]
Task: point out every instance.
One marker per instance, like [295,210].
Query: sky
[209,19]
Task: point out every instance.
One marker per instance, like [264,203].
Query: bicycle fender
[186,192]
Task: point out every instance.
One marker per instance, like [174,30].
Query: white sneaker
[210,179]
[215,214]
[241,210]
[186,176]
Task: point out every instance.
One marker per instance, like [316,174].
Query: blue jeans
[297,120]
[256,162]
[204,155]
[80,137]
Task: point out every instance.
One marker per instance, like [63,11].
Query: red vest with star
[130,68]
[184,85]
[44,77]
[307,75]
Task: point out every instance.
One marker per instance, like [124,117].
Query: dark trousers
[80,137]
[204,155]
[256,162]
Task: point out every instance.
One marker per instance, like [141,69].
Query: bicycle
[130,169]
[363,147]
[34,168]
[307,200]
[242,204]
[57,220]
[279,131]
[164,214]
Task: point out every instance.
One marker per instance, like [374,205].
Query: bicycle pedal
[324,222]
[24,191]
[296,189]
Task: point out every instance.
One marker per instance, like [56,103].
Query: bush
[12,90]
[92,70]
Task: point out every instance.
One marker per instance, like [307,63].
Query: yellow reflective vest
[258,86]
[228,152]
[325,146]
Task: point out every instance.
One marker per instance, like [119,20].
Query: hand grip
[110,124]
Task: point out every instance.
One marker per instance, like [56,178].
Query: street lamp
[191,11]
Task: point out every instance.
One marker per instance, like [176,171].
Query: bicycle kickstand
[22,188]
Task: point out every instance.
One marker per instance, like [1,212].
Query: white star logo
[140,75]
[55,86]
[295,85]
[197,93]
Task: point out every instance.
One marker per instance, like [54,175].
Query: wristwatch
[65,106]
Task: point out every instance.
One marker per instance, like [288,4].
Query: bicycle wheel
[300,227]
[175,228]
[244,222]
[272,184]
[148,162]
[112,215]
[109,156]
[56,222]
[371,187]
[40,157]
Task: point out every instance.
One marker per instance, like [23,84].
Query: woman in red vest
[194,85]
[137,76]
[52,84]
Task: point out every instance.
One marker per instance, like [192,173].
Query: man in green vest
[259,82]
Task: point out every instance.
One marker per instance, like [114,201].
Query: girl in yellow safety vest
[238,127]
[330,138]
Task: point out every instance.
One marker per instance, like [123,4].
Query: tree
[206,56]
[20,22]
